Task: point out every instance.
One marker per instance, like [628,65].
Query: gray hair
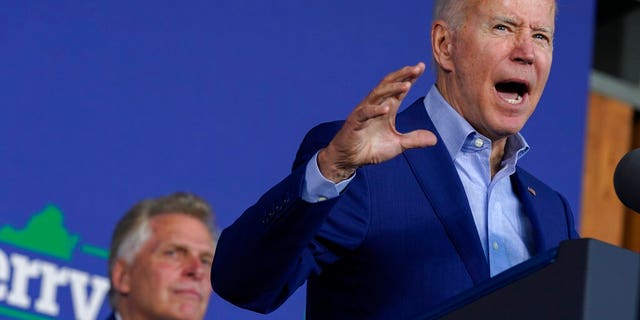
[451,11]
[132,230]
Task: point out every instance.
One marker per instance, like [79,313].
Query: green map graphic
[44,233]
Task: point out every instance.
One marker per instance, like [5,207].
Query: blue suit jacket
[398,241]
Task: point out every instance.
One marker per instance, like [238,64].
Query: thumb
[418,139]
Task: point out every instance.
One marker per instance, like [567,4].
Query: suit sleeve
[267,253]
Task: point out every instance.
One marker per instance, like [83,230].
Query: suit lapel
[446,195]
[526,192]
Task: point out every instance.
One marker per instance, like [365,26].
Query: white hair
[450,11]
[133,242]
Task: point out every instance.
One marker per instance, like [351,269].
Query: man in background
[160,259]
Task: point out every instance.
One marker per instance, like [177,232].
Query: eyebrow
[182,246]
[506,20]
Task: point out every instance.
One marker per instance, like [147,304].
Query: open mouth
[512,91]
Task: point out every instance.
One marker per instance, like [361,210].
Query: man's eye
[500,27]
[540,36]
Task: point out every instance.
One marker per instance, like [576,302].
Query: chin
[512,125]
[504,131]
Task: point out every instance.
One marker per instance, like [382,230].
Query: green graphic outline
[17,314]
[46,234]
[95,251]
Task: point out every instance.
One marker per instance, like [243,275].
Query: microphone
[626,180]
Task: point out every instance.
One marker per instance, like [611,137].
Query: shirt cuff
[316,187]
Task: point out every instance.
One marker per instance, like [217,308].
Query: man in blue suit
[388,214]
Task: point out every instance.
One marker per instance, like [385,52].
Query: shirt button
[495,246]
[478,143]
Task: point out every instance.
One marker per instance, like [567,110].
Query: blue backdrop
[108,102]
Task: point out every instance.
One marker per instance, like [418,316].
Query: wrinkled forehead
[183,230]
[522,6]
[537,13]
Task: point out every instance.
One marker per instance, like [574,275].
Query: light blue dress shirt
[503,227]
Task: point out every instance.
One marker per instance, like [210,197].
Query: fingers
[385,91]
[386,97]
[396,84]
[418,139]
[370,111]
[408,73]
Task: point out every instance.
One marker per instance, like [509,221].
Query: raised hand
[369,134]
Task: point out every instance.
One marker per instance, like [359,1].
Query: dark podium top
[581,279]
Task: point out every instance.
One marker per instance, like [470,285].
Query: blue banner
[105,103]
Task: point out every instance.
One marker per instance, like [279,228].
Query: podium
[580,279]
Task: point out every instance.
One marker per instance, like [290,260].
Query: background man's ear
[120,277]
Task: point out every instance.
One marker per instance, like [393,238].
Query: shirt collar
[454,130]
